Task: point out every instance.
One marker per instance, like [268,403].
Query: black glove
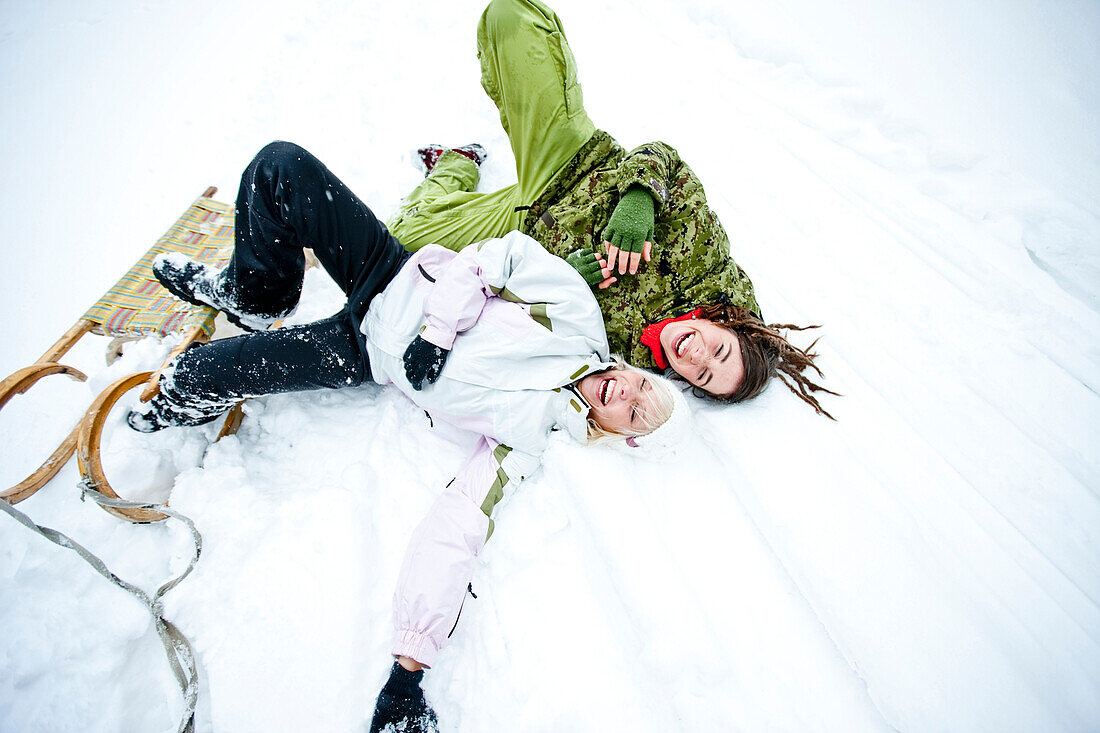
[402,701]
[423,362]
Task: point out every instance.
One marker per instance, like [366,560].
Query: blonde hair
[650,416]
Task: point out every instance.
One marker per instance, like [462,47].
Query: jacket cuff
[415,645]
[442,338]
[647,183]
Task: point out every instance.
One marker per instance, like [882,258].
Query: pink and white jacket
[522,326]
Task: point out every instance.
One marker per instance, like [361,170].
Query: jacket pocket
[469,590]
[566,67]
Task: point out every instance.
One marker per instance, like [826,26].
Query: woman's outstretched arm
[439,562]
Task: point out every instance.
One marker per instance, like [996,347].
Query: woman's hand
[401,704]
[423,362]
[592,267]
[628,237]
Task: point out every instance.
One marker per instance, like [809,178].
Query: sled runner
[135,307]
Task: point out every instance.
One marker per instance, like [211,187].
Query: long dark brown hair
[766,353]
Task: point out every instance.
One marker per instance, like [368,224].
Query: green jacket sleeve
[691,263]
[651,166]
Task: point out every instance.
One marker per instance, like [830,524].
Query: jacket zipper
[470,590]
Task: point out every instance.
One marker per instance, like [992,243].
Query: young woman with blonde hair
[500,338]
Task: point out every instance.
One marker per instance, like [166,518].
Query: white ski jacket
[522,326]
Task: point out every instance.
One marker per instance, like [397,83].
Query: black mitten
[402,701]
[423,362]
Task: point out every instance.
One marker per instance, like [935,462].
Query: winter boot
[430,154]
[159,413]
[169,409]
[201,284]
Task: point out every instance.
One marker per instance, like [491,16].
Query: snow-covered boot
[430,154]
[171,409]
[159,413]
[145,419]
[201,284]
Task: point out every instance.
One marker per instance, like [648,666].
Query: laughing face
[619,399]
[705,354]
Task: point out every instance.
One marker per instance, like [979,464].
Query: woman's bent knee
[281,153]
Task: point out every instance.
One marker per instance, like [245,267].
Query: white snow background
[921,178]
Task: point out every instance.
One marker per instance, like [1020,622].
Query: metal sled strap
[181,657]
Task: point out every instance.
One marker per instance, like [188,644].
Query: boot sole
[187,298]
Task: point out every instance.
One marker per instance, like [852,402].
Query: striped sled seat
[136,306]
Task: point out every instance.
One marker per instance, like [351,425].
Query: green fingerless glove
[631,223]
[584,262]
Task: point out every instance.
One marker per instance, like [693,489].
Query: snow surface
[922,178]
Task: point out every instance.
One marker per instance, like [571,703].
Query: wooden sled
[136,306]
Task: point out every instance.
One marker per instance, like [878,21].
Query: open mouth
[604,392]
[682,344]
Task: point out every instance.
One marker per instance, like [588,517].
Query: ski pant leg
[528,70]
[453,174]
[289,200]
[207,380]
[445,210]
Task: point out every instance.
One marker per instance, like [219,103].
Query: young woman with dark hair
[584,198]
[764,351]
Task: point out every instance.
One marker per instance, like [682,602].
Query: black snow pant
[289,200]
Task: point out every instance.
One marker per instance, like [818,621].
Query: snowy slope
[922,179]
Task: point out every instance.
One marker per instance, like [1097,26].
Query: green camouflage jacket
[691,263]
